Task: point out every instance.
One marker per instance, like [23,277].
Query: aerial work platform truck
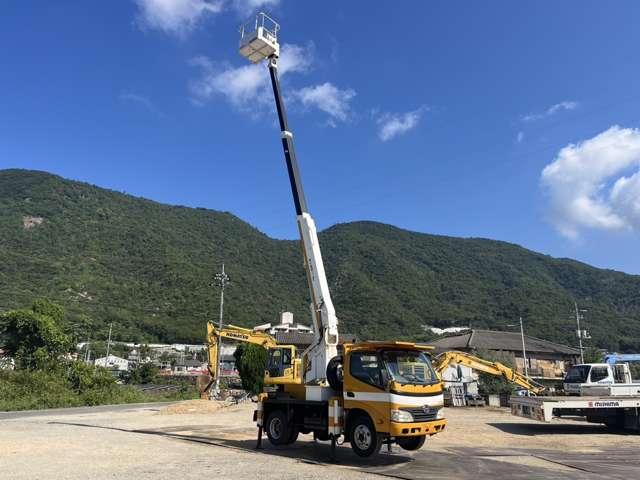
[372,392]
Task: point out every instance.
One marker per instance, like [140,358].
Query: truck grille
[422,414]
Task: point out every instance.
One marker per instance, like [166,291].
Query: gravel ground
[110,445]
[198,440]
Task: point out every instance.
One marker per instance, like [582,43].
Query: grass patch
[73,384]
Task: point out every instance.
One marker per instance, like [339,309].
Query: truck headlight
[440,414]
[401,416]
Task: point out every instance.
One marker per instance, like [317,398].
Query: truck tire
[277,428]
[411,443]
[365,441]
[334,373]
[293,435]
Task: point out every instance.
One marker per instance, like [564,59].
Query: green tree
[251,361]
[35,336]
[143,373]
[83,377]
[145,351]
[593,355]
[81,328]
[46,307]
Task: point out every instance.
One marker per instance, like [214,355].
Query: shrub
[251,361]
[143,374]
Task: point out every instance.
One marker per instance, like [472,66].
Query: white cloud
[552,110]
[179,17]
[390,125]
[247,86]
[248,7]
[135,98]
[596,183]
[176,17]
[328,98]
[520,137]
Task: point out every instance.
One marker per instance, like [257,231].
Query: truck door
[364,387]
[600,374]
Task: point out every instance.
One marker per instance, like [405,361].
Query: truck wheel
[277,428]
[411,443]
[365,441]
[334,373]
[293,435]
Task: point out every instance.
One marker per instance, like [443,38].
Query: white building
[286,325]
[112,363]
[158,348]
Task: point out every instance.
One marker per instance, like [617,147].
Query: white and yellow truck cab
[379,393]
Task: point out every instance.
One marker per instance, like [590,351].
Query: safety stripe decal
[431,400]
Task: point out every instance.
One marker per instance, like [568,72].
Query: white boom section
[259,42]
[325,322]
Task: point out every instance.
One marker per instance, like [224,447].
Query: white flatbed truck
[618,412]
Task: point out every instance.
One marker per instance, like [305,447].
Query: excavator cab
[279,361]
[282,366]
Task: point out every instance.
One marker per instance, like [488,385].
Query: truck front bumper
[416,428]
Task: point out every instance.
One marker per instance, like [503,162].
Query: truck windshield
[577,374]
[411,366]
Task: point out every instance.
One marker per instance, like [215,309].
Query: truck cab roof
[382,345]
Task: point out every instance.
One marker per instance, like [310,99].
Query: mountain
[148,268]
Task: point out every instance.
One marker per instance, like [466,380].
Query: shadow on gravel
[304,451]
[555,429]
[464,464]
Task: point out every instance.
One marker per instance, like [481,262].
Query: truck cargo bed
[618,411]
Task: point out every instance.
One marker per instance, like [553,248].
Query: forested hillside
[148,267]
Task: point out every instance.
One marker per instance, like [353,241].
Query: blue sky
[504,120]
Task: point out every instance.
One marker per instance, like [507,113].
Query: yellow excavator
[442,361]
[283,365]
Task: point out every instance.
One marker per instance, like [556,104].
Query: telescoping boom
[255,46]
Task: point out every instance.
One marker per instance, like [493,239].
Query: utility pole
[524,350]
[578,318]
[220,280]
[108,343]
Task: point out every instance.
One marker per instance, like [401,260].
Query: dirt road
[144,442]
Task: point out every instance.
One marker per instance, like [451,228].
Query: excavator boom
[442,361]
[283,367]
[232,332]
